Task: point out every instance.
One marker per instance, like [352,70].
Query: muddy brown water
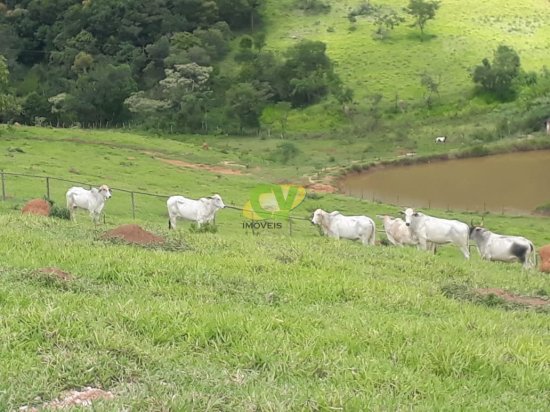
[509,183]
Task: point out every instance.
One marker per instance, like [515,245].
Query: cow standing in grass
[338,226]
[397,231]
[92,200]
[200,211]
[432,231]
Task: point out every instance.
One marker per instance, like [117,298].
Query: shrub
[204,228]
[60,212]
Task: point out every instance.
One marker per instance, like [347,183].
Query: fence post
[48,188]
[290,226]
[3,185]
[133,206]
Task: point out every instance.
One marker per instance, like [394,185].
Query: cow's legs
[172,222]
[465,251]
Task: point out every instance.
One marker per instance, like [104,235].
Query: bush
[60,212]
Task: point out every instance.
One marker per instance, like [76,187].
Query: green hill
[236,320]
[461,35]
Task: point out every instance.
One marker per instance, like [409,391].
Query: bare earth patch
[73,398]
[38,207]
[198,166]
[513,298]
[544,253]
[133,234]
[321,188]
[55,273]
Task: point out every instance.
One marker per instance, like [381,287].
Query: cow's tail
[372,237]
[169,223]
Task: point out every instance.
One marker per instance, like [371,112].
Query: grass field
[461,35]
[240,321]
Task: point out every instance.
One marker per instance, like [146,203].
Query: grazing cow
[92,200]
[544,253]
[338,226]
[495,247]
[397,231]
[200,211]
[441,139]
[432,231]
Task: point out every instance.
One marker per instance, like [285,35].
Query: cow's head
[217,201]
[318,216]
[478,232]
[105,191]
[410,214]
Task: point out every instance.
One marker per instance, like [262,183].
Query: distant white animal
[338,226]
[200,211]
[495,247]
[397,231]
[432,231]
[441,139]
[92,200]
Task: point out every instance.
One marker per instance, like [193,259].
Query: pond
[508,183]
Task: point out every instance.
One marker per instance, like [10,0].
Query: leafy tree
[8,104]
[36,105]
[307,73]
[422,11]
[432,87]
[245,102]
[386,20]
[497,78]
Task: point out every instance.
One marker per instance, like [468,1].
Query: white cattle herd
[418,229]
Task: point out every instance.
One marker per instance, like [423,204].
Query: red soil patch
[133,234]
[39,207]
[321,188]
[544,253]
[71,399]
[56,273]
[512,298]
[198,166]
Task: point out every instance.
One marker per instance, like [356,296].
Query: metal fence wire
[12,187]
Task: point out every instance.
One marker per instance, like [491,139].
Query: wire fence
[143,204]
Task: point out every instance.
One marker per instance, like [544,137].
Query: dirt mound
[133,234]
[512,298]
[39,207]
[544,253]
[55,273]
[71,399]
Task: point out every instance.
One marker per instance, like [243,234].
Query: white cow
[92,200]
[397,231]
[441,139]
[432,231]
[495,247]
[201,211]
[338,226]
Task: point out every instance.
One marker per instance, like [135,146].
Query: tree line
[186,65]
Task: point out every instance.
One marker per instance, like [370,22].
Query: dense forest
[105,62]
[202,66]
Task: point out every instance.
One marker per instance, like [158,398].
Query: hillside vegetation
[289,67]
[235,320]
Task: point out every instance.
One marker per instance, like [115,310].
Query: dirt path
[198,166]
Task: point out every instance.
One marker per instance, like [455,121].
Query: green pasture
[237,320]
[461,35]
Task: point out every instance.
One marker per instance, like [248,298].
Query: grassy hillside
[462,34]
[236,321]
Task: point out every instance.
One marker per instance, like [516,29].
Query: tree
[422,11]
[245,102]
[431,86]
[8,103]
[497,78]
